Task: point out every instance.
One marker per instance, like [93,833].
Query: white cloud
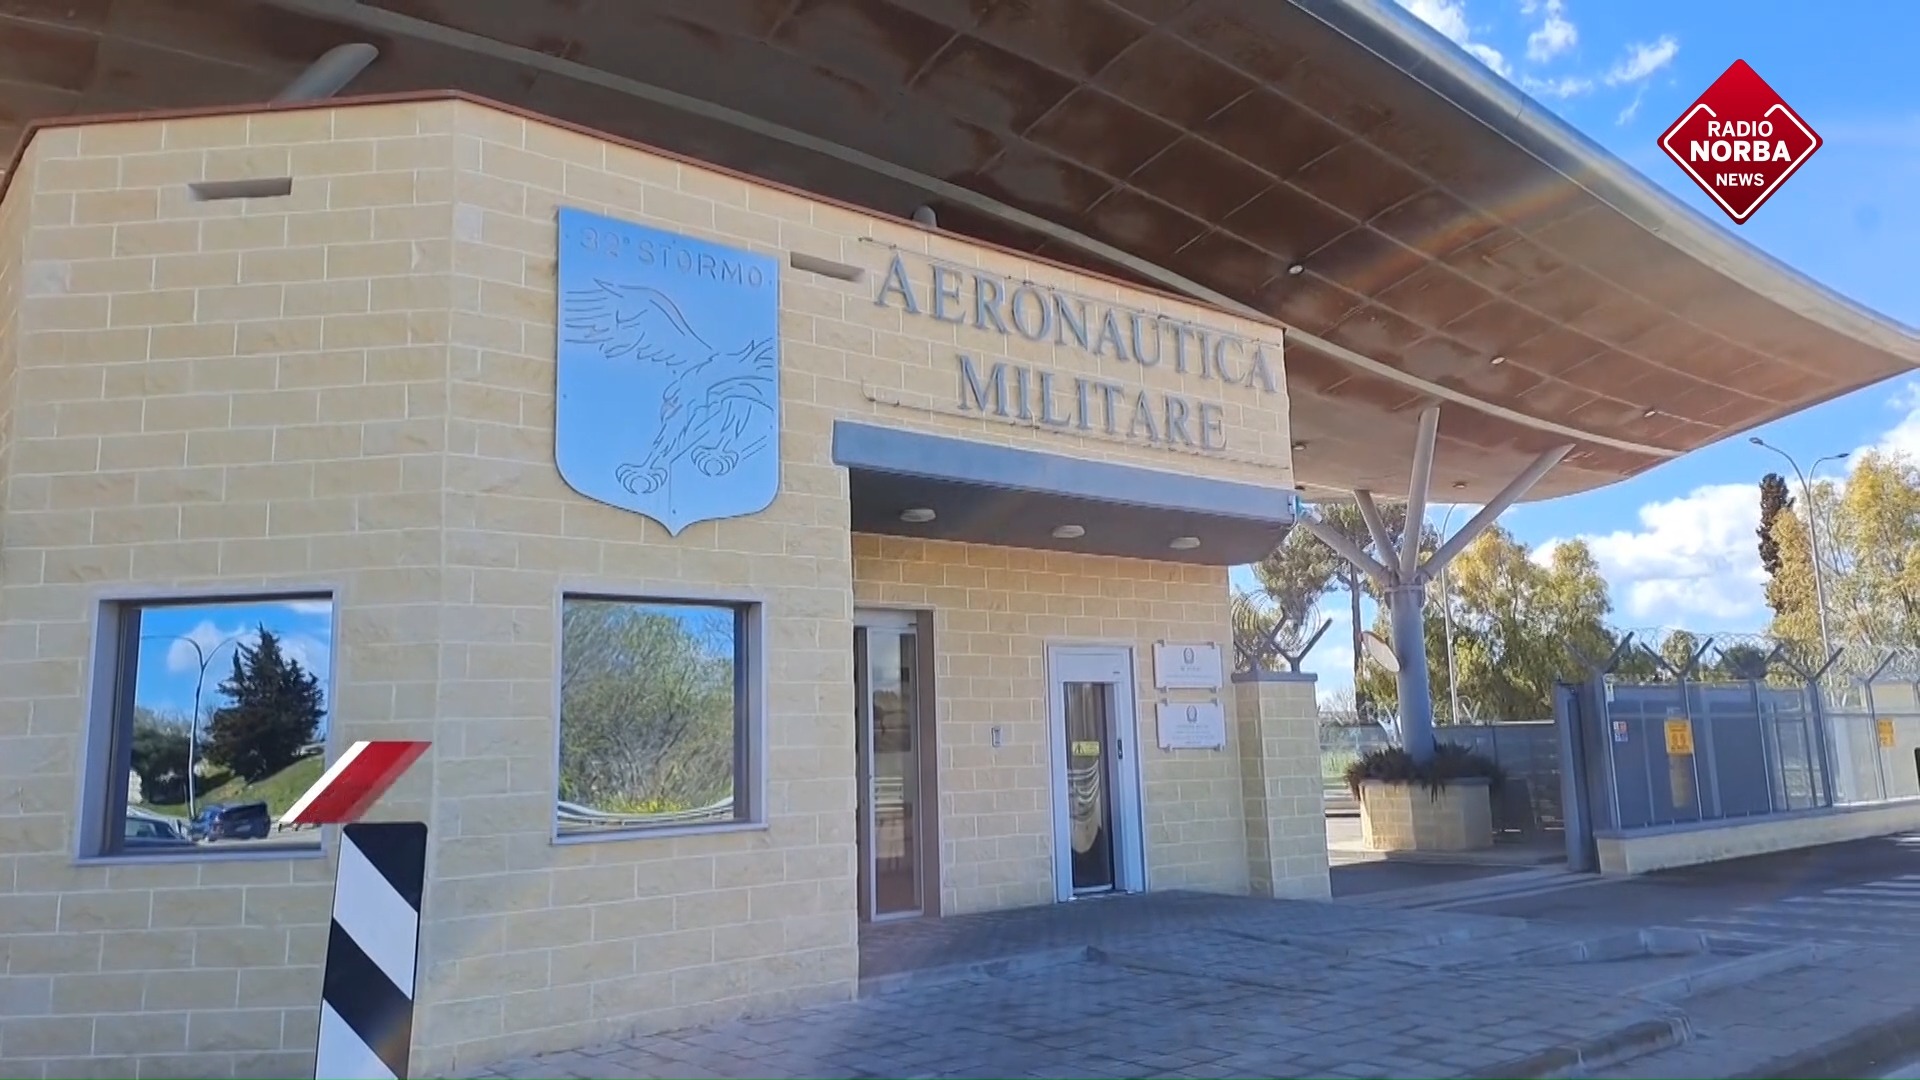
[1643,60]
[1556,34]
[1693,558]
[217,643]
[1632,110]
[1449,17]
[1903,437]
[309,607]
[1565,86]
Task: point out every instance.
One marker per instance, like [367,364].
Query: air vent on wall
[265,187]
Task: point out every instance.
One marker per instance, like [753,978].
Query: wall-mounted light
[1184,543]
[918,515]
[1069,532]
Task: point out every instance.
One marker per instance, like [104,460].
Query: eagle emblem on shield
[668,372]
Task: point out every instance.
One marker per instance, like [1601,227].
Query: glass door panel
[1088,709]
[890,747]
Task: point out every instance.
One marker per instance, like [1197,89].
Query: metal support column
[1402,577]
[1406,603]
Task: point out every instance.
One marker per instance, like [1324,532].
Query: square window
[656,716]
[215,715]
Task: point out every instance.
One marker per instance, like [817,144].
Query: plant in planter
[1445,804]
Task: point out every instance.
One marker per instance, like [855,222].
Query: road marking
[1862,911]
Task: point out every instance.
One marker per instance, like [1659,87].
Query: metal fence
[1801,732]
[1526,750]
[1688,751]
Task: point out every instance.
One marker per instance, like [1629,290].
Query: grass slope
[278,791]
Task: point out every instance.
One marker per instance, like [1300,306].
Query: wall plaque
[1195,725]
[1186,667]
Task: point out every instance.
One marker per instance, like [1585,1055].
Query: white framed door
[893,798]
[1098,839]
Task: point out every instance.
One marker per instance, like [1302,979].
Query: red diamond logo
[1740,141]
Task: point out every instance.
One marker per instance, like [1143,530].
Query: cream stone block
[1409,817]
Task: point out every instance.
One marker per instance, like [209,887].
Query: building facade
[756,566]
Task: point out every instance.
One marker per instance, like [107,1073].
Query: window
[216,719]
[655,716]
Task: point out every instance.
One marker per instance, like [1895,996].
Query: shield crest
[667,372]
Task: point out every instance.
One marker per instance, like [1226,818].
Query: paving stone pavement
[1175,985]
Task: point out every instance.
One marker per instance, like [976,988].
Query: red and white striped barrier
[366,994]
[363,774]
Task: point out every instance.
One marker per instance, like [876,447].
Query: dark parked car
[238,821]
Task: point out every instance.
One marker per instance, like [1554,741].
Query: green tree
[1773,501]
[1299,573]
[1520,625]
[1678,649]
[1740,662]
[1870,555]
[273,709]
[160,750]
[646,708]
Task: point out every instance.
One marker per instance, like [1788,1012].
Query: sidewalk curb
[1862,1052]
[1624,1044]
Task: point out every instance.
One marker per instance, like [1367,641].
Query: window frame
[749,709]
[108,698]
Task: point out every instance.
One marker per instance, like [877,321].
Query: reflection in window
[653,715]
[219,723]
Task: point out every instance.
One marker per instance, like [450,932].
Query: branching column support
[1402,578]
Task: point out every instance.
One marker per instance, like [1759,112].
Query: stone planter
[1408,817]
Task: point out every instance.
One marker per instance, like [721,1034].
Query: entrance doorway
[893,737]
[1097,835]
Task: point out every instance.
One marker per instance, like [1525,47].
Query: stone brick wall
[350,388]
[995,611]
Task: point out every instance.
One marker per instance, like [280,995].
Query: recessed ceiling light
[1651,413]
[1295,270]
[1300,445]
[1499,359]
[918,515]
[1184,543]
[1459,485]
[1069,532]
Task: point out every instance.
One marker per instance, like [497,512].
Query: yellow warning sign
[1884,727]
[1679,736]
[1085,748]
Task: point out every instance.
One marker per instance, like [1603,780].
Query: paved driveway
[1177,985]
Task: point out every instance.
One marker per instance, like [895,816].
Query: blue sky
[1677,543]
[168,666]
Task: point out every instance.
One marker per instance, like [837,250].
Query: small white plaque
[1198,725]
[1186,667]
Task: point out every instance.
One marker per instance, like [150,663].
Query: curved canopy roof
[1454,242]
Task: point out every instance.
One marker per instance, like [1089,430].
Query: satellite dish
[1380,652]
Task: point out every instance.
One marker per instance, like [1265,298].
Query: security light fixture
[1184,543]
[1069,532]
[918,515]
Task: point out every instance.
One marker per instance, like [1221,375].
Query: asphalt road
[1855,893]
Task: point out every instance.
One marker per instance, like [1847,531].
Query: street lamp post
[1446,616]
[1813,534]
[205,656]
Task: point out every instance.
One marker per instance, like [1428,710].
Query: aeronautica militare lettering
[1107,333]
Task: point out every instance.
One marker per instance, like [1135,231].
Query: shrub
[1451,761]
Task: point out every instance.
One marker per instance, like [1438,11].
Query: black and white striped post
[373,942]
[366,997]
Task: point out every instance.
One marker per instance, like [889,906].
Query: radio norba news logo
[1740,141]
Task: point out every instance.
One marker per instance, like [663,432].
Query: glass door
[887,686]
[1088,715]
[1097,833]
